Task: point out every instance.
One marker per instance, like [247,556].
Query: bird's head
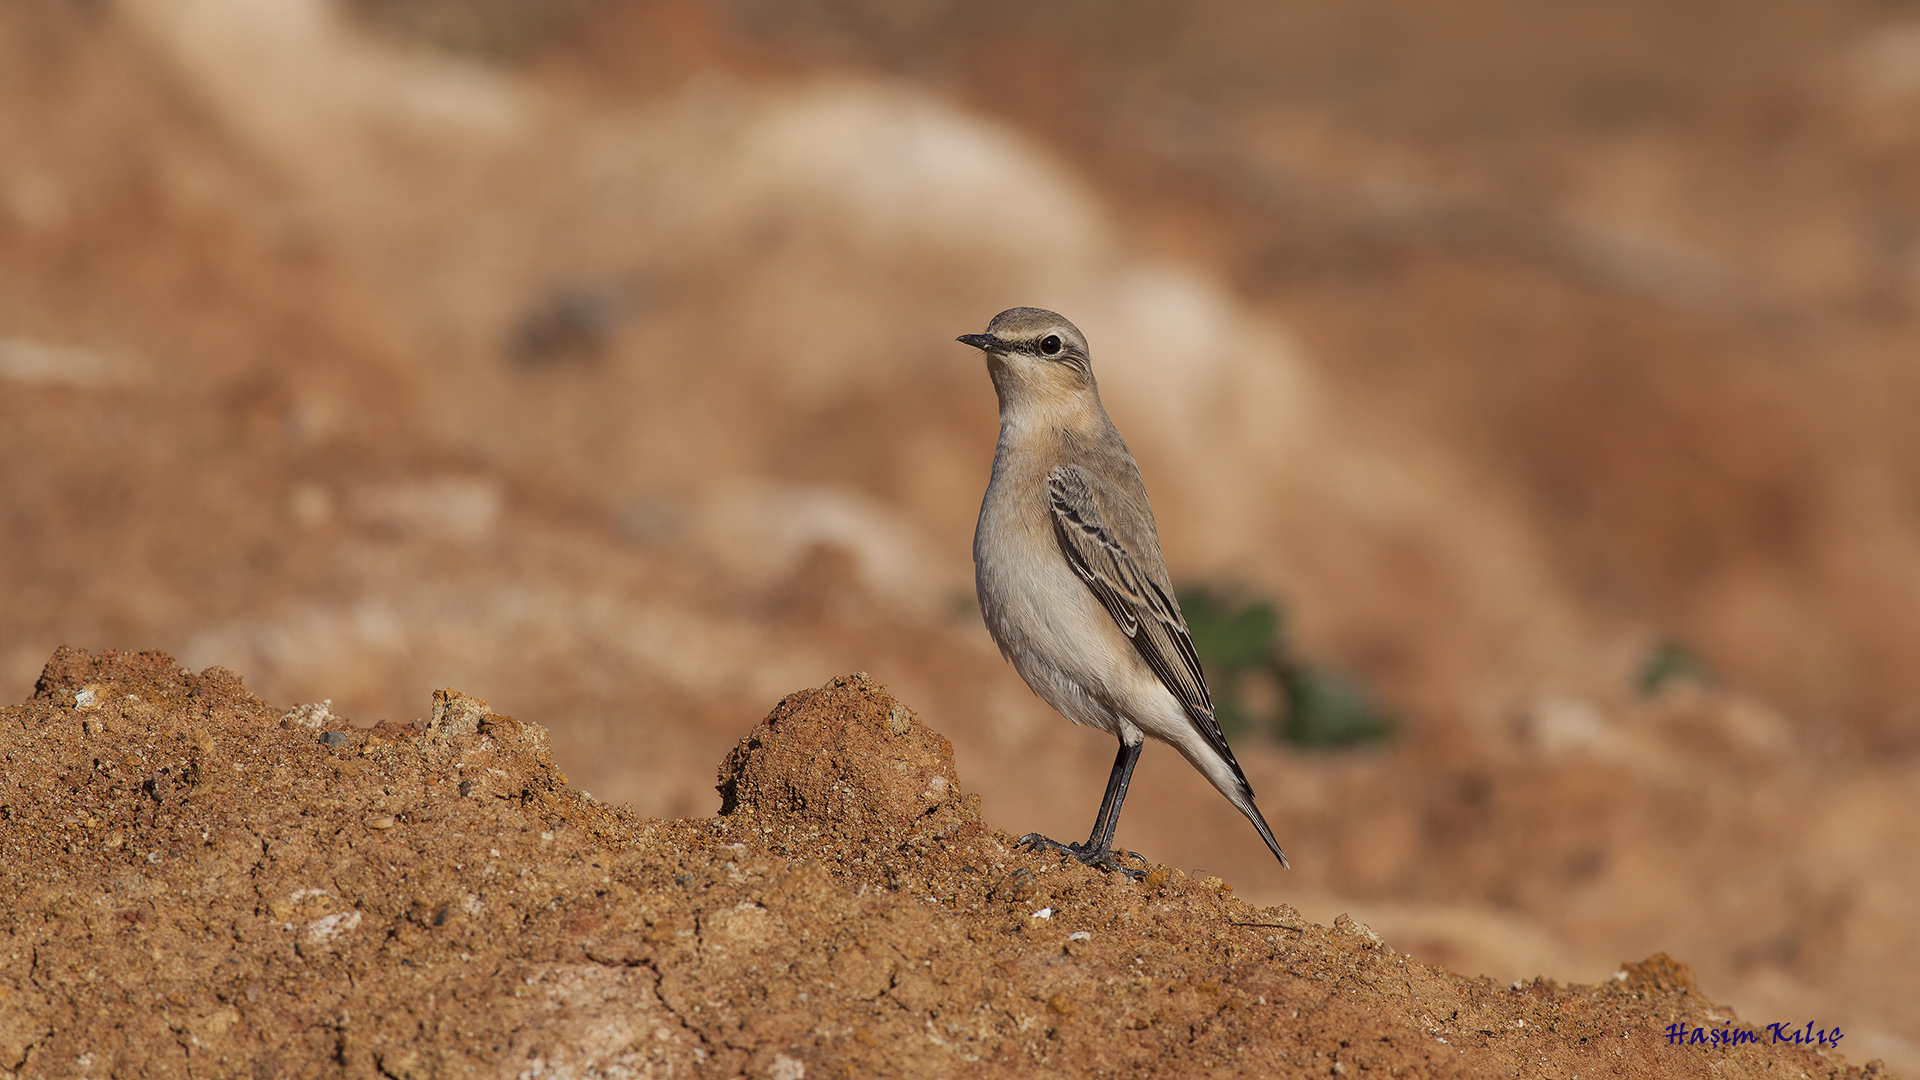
[1038,360]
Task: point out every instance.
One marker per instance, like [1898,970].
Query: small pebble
[1044,913]
[380,821]
[334,738]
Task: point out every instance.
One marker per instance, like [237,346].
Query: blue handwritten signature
[1728,1035]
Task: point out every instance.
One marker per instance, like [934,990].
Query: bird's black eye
[1050,344]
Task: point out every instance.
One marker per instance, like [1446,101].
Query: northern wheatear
[1074,589]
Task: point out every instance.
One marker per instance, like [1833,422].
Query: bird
[1071,580]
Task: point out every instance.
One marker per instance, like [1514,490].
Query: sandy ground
[199,885]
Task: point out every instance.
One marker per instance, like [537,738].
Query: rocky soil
[197,883]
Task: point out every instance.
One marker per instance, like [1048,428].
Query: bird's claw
[1033,841]
[1107,860]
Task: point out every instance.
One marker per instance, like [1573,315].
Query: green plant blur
[1259,685]
[1670,662]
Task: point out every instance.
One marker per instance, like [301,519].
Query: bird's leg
[1098,850]
[1101,839]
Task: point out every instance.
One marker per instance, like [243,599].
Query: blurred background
[1526,392]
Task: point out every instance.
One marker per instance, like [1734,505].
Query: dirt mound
[196,883]
[848,760]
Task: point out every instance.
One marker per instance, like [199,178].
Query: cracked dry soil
[193,883]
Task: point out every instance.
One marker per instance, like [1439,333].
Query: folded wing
[1139,599]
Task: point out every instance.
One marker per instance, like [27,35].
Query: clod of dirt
[314,714]
[454,713]
[1660,973]
[192,885]
[848,760]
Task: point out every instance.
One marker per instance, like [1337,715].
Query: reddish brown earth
[198,885]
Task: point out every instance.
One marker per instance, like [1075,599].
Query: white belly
[1058,636]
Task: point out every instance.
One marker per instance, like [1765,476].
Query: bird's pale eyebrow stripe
[1032,345]
[1068,354]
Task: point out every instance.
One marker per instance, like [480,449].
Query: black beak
[983,342]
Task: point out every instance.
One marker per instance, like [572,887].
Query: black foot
[1108,860]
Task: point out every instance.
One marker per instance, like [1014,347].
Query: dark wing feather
[1140,605]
